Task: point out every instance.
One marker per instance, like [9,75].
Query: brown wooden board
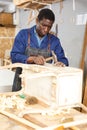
[6,19]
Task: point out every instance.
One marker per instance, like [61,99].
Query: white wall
[70,34]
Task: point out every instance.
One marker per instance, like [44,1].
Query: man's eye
[46,26]
[43,25]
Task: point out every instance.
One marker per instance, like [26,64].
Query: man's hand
[39,60]
[59,64]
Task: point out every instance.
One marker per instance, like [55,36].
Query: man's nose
[46,29]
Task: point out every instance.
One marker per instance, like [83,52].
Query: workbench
[44,114]
[7,123]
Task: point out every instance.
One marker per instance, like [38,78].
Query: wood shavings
[59,112]
[62,115]
[11,102]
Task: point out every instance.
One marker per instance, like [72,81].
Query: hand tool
[53,57]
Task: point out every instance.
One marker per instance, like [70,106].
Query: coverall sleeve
[18,50]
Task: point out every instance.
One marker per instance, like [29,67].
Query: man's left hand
[59,64]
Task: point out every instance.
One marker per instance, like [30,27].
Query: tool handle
[49,58]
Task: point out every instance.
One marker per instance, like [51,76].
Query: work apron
[36,52]
[29,52]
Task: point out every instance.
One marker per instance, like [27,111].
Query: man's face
[43,27]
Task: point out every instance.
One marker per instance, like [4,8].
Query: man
[34,45]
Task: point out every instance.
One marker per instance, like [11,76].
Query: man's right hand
[39,60]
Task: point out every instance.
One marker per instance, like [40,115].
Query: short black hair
[47,14]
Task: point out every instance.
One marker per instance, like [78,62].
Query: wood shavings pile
[63,115]
[11,102]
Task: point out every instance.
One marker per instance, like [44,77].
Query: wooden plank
[83,66]
[84,49]
[19,2]
[33,120]
[20,120]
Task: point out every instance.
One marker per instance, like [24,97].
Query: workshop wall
[71,27]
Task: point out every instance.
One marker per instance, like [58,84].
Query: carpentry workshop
[43,64]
